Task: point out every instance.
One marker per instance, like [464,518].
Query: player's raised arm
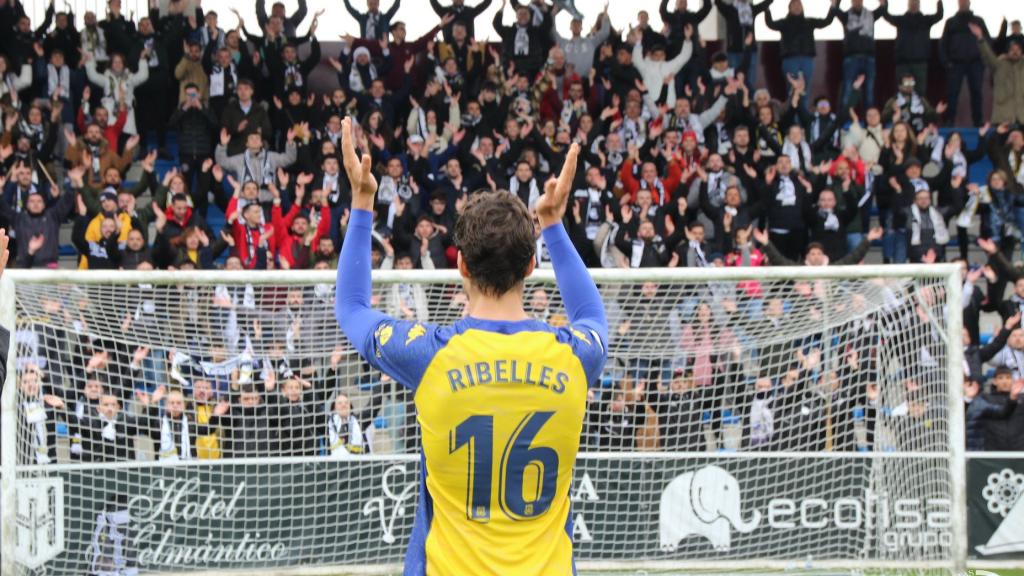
[580,295]
[352,299]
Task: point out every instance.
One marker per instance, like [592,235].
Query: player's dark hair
[495,236]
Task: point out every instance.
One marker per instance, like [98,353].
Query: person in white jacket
[654,69]
[119,83]
[13,80]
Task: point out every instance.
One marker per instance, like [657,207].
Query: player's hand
[360,178]
[551,206]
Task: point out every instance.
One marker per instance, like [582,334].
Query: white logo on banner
[704,503]
[397,502]
[1003,492]
[40,521]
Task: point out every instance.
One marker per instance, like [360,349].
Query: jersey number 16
[517,459]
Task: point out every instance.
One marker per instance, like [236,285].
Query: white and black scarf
[935,222]
[292,75]
[360,77]
[1016,162]
[344,436]
[762,420]
[913,103]
[35,416]
[799,154]
[521,42]
[533,195]
[659,186]
[831,221]
[55,77]
[262,173]
[222,80]
[94,41]
[745,13]
[169,449]
[862,23]
[786,195]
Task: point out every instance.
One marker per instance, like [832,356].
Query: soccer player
[500,397]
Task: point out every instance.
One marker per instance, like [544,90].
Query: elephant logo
[706,503]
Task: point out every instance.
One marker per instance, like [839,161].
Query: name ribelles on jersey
[507,372]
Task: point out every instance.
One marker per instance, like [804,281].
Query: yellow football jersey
[501,407]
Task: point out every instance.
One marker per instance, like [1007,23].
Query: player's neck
[507,307]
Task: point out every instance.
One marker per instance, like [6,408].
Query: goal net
[784,419]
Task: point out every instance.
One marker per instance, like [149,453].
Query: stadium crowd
[687,163]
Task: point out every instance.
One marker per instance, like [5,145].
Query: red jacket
[112,132]
[552,100]
[668,183]
[751,288]
[248,240]
[290,248]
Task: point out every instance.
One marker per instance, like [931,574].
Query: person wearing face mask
[909,106]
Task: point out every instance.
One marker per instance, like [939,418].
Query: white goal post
[821,409]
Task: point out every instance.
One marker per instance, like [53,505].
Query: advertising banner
[328,512]
[995,508]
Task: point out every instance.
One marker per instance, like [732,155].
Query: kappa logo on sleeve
[580,335]
[415,332]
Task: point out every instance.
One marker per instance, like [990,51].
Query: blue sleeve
[400,349]
[588,324]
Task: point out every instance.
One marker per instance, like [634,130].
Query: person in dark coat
[960,54]
[797,44]
[247,425]
[739,19]
[194,122]
[38,226]
[288,23]
[1004,428]
[980,409]
[679,407]
[524,41]
[373,24]
[107,435]
[465,15]
[913,38]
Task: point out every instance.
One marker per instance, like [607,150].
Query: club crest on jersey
[415,332]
